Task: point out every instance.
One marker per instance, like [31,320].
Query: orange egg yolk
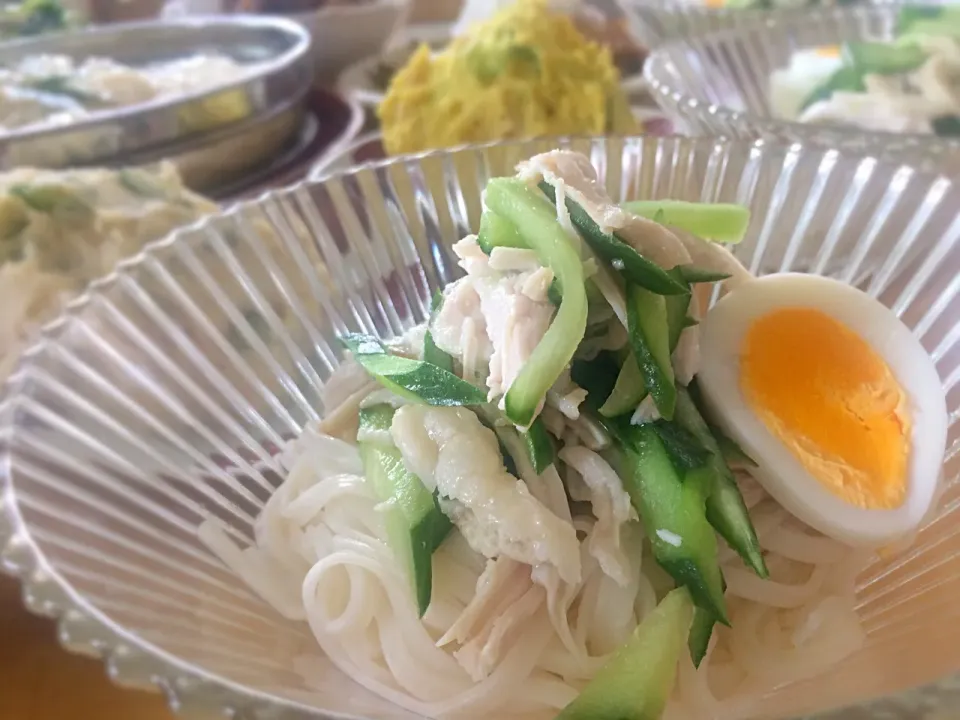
[826,395]
[828,51]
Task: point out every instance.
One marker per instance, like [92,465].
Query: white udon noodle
[321,556]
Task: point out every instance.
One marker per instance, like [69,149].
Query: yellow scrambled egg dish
[526,72]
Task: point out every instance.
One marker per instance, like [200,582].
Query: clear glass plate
[659,21]
[161,397]
[718,82]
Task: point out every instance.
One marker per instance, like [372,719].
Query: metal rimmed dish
[151,404]
[718,83]
[280,73]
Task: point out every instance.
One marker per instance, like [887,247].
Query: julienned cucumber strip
[597,377]
[732,453]
[883,58]
[684,448]
[628,391]
[691,274]
[673,515]
[721,222]
[415,380]
[431,353]
[844,79]
[937,19]
[539,446]
[535,445]
[700,633]
[650,341]
[497,231]
[536,221]
[677,306]
[725,508]
[637,681]
[946,126]
[415,524]
[631,264]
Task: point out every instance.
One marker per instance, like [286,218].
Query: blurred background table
[40,681]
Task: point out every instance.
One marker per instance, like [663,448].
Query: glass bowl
[718,83]
[161,397]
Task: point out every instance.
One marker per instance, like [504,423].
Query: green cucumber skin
[684,448]
[415,524]
[676,309]
[635,267]
[700,632]
[943,20]
[649,338]
[693,275]
[846,79]
[720,222]
[539,446]
[537,223]
[667,502]
[725,509]
[637,681]
[414,380]
[881,58]
[497,231]
[627,392]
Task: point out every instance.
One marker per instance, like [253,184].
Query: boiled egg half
[835,400]
[808,69]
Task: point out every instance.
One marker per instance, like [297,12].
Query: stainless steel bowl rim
[279,75]
[298,50]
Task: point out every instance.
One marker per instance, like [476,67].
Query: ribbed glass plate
[718,83]
[659,21]
[160,398]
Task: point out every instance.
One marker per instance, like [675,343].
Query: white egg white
[779,471]
[791,86]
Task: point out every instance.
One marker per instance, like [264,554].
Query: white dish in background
[342,35]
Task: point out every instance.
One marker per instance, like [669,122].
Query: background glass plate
[718,83]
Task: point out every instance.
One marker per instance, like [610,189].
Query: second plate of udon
[514,514]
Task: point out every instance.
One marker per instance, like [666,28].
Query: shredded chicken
[566,396]
[576,175]
[482,653]
[611,507]
[509,310]
[452,452]
[503,579]
[646,412]
[504,259]
[505,597]
[461,304]
[515,325]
